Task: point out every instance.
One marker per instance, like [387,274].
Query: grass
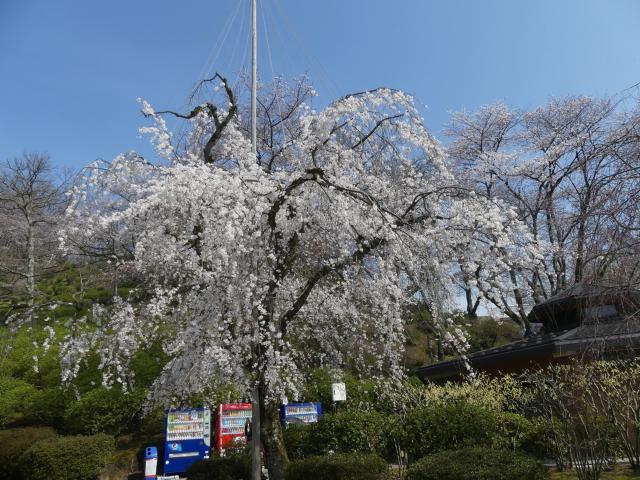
[622,472]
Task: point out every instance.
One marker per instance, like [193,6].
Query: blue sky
[70,71]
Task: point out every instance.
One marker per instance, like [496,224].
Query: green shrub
[14,442]
[15,400]
[477,464]
[361,392]
[71,458]
[299,442]
[48,406]
[345,432]
[235,467]
[447,425]
[339,466]
[516,432]
[103,410]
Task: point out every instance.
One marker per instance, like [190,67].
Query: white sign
[338,392]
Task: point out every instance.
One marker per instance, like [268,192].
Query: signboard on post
[338,392]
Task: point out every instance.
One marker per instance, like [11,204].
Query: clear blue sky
[70,71]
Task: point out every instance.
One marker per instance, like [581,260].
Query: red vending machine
[230,424]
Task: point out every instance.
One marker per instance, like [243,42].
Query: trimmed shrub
[234,467]
[446,426]
[477,464]
[346,432]
[340,466]
[103,410]
[71,458]
[14,443]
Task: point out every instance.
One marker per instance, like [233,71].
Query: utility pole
[254,74]
[256,457]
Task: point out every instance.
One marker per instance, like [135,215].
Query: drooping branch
[220,120]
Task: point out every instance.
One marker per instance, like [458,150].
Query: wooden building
[588,320]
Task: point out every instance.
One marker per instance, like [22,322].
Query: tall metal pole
[256,457]
[254,73]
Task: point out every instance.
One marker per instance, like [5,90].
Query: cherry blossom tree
[257,268]
[568,170]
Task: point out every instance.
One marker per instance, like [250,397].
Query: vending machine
[232,418]
[300,413]
[187,439]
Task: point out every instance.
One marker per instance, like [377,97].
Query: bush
[71,458]
[448,425]
[48,406]
[235,467]
[345,432]
[477,464]
[14,443]
[338,467]
[15,400]
[516,432]
[103,410]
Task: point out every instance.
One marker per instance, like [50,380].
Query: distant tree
[31,201]
[569,170]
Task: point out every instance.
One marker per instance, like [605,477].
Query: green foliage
[486,332]
[477,464]
[446,426]
[104,410]
[16,398]
[71,458]
[361,394]
[338,467]
[345,432]
[233,467]
[48,406]
[13,443]
[516,432]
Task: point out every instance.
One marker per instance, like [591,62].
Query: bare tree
[31,200]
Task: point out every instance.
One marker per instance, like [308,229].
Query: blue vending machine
[300,413]
[187,439]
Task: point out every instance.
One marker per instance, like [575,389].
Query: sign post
[338,394]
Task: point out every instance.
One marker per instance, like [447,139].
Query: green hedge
[338,467]
[104,410]
[477,464]
[346,432]
[14,442]
[235,467]
[71,458]
[446,426]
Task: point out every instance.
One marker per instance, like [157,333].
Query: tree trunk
[31,267]
[472,306]
[256,442]
[275,452]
